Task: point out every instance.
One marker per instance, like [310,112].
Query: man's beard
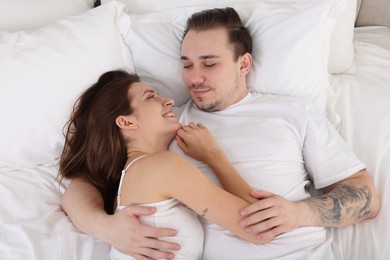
[221,103]
[213,107]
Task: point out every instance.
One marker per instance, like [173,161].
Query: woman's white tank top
[170,213]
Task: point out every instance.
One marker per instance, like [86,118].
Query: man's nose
[197,77]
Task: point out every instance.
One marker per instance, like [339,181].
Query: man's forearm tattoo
[343,202]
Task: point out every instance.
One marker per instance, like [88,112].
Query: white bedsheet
[33,226]
[363,103]
[32,223]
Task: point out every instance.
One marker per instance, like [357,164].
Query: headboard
[373,12]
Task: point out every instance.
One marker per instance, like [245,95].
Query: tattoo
[344,201]
[204,212]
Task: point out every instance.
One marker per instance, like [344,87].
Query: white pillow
[341,41]
[43,72]
[290,52]
[341,56]
[18,15]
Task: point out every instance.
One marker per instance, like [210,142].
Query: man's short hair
[227,18]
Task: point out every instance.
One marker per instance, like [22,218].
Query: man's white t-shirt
[281,145]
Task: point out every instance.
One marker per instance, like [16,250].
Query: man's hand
[272,215]
[123,231]
[85,207]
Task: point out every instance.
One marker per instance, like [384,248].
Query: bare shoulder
[153,178]
[166,160]
[167,155]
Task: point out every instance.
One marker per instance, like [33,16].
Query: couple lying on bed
[125,150]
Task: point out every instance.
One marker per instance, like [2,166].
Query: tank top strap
[118,196]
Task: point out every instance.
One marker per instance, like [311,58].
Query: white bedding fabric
[363,103]
[33,226]
[32,223]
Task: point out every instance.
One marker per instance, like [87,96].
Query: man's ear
[245,63]
[125,123]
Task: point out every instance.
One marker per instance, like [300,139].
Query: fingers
[199,125]
[140,257]
[261,223]
[161,244]
[158,232]
[181,143]
[147,253]
[257,206]
[261,216]
[270,234]
[154,248]
[189,131]
[266,225]
[192,126]
[139,210]
[270,216]
[150,253]
[138,240]
[259,194]
[152,232]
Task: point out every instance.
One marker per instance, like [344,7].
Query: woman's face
[153,113]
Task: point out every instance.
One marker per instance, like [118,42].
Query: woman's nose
[168,102]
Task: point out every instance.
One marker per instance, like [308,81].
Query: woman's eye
[187,66]
[209,65]
[151,97]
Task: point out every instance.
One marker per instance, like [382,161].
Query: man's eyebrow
[203,57]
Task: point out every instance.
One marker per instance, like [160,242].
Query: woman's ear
[125,123]
[246,63]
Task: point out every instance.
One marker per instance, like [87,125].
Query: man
[279,145]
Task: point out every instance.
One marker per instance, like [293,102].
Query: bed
[335,54]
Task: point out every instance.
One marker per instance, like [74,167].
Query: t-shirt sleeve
[328,158]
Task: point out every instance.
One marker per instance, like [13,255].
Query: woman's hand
[196,141]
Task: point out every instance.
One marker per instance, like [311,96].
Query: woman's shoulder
[150,178]
[164,159]
[165,169]
[167,155]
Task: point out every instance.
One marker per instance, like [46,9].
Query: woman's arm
[169,175]
[196,141]
[84,206]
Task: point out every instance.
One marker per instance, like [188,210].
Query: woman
[119,134]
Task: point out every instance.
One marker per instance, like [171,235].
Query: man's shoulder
[281,101]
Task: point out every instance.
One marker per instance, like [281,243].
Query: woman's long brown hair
[94,148]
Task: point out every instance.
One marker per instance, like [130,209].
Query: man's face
[211,75]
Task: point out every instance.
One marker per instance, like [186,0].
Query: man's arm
[344,203]
[85,207]
[347,202]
